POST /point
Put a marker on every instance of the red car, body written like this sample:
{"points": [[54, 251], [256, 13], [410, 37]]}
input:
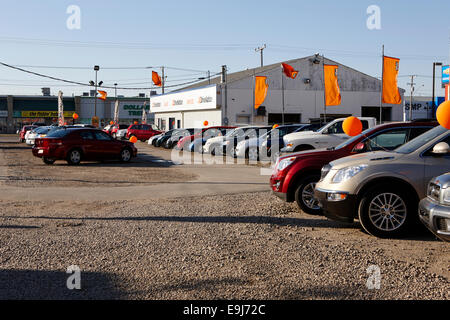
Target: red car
{"points": [[116, 128], [198, 134], [24, 130], [295, 175], [78, 144], [142, 132]]}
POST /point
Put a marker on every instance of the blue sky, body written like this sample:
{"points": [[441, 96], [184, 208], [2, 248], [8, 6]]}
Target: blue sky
{"points": [[203, 35]]}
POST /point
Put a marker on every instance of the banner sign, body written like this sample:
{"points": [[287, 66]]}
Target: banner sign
{"points": [[60, 109], [45, 114], [445, 75]]}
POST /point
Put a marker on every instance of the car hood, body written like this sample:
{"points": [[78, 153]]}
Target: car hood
{"points": [[216, 139], [377, 157], [300, 135]]}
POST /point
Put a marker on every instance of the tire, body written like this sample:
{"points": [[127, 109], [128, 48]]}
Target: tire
{"points": [[213, 150], [252, 154], [74, 157], [387, 212], [48, 161], [125, 155], [304, 195]]}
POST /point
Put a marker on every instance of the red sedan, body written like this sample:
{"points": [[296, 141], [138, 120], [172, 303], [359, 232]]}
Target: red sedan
{"points": [[295, 175], [24, 130], [78, 144], [142, 132]]}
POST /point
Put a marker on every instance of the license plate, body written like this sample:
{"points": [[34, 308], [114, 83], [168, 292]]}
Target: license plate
{"points": [[40, 151]]}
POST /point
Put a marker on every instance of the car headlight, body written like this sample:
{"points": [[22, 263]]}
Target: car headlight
{"points": [[284, 163], [446, 196], [347, 173]]}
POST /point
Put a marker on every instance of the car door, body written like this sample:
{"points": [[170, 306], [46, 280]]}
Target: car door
{"points": [[108, 148], [89, 145], [435, 165]]}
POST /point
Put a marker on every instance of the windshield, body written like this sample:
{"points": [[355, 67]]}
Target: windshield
{"points": [[58, 133], [353, 139], [421, 140]]}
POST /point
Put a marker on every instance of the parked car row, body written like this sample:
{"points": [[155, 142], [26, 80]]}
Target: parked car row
{"points": [[142, 132], [377, 177]]}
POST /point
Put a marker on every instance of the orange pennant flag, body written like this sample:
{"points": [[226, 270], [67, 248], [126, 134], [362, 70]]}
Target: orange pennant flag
{"points": [[289, 71], [390, 93], [103, 95], [260, 90], [156, 79], [332, 91]]}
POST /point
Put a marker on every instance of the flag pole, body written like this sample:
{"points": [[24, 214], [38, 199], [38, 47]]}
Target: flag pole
{"points": [[253, 98], [282, 96], [382, 76], [324, 94]]}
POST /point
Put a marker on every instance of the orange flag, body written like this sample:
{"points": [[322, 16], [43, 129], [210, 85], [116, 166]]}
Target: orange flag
{"points": [[289, 71], [390, 94], [103, 95], [260, 90], [332, 91], [156, 79]]}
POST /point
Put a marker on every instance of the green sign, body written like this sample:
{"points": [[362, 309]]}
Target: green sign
{"points": [[135, 110]]}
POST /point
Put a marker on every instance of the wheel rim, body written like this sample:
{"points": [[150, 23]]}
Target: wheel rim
{"points": [[387, 211], [308, 196], [253, 154], [126, 155], [75, 156]]}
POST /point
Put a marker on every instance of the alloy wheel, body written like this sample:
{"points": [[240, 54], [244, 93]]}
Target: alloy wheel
{"points": [[387, 211]]}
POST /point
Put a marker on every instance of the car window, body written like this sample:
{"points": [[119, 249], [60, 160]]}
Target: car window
{"points": [[389, 140], [421, 140], [365, 124], [58, 133], [146, 127], [100, 135], [335, 128], [415, 132], [86, 135]]}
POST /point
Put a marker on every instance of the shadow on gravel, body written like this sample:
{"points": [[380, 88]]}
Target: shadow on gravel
{"points": [[36, 284], [15, 148], [298, 222], [18, 227], [326, 292], [203, 285]]}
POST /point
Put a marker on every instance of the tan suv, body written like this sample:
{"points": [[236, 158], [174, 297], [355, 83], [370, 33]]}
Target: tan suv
{"points": [[383, 189]]}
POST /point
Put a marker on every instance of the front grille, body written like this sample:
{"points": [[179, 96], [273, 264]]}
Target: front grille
{"points": [[433, 191], [325, 169], [441, 224]]}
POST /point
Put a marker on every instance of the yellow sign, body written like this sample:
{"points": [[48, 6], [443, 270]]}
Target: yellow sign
{"points": [[45, 114]]}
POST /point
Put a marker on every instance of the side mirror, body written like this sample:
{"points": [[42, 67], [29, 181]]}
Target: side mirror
{"points": [[360, 147], [441, 148]]}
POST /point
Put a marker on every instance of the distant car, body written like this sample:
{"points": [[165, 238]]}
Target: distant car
{"points": [[295, 175], [108, 129], [79, 144], [142, 132], [382, 189], [115, 129], [197, 144], [24, 131], [38, 132], [153, 139], [177, 136], [184, 142], [164, 137], [255, 148], [434, 210]]}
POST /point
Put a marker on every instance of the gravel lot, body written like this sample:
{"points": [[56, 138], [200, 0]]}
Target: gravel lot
{"points": [[224, 246]]}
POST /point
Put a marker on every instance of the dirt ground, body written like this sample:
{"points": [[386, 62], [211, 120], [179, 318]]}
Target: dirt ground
{"points": [[229, 245]]}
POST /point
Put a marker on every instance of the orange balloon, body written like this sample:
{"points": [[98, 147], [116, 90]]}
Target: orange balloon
{"points": [[275, 126], [111, 122], [75, 116], [443, 114], [205, 123], [133, 139], [135, 122], [352, 126]]}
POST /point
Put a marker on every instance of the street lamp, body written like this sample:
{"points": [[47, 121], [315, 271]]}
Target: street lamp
{"points": [[96, 68], [434, 76], [115, 90]]}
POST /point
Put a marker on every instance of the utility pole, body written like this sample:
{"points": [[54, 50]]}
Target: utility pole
{"points": [[223, 80], [209, 77], [96, 68], [410, 96], [162, 79], [261, 49]]}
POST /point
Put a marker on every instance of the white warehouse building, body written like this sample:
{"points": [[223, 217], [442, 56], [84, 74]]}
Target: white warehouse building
{"points": [[230, 102]]}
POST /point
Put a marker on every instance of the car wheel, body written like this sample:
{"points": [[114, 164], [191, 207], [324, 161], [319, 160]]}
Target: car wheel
{"points": [[387, 212], [74, 157], [252, 154], [48, 161], [304, 195], [125, 155]]}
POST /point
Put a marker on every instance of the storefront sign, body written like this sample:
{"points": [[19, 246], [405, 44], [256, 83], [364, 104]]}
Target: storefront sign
{"points": [[44, 114], [195, 99], [134, 110]]}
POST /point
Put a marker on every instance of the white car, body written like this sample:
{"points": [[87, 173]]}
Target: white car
{"points": [[38, 132], [154, 137], [328, 136], [121, 134]]}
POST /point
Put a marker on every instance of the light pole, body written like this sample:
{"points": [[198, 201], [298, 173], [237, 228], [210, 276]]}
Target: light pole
{"points": [[96, 68], [434, 77], [115, 90]]}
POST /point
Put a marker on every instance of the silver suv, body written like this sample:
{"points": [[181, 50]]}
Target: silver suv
{"points": [[383, 189], [434, 210]]}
